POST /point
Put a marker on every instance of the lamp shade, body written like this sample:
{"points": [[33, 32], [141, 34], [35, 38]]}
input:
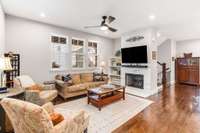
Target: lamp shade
{"points": [[5, 64], [102, 64]]}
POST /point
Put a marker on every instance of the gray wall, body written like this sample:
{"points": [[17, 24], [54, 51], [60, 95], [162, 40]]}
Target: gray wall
{"points": [[117, 45], [31, 40], [188, 46], [2, 30], [164, 52]]}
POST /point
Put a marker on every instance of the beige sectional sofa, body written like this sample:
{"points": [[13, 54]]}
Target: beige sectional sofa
{"points": [[79, 84]]}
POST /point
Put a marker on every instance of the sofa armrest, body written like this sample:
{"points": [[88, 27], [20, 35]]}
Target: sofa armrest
{"points": [[48, 86], [66, 126], [62, 84], [48, 107], [105, 78], [82, 120]]}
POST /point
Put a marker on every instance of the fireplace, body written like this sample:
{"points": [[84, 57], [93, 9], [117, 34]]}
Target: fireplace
{"points": [[134, 80]]}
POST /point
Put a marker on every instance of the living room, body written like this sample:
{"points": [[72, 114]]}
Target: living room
{"points": [[70, 67]]}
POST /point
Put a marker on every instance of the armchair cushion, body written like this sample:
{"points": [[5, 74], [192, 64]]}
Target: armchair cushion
{"points": [[48, 95]]}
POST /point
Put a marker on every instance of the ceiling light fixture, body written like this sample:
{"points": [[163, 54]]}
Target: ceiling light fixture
{"points": [[152, 17], [104, 28], [158, 34], [42, 15]]}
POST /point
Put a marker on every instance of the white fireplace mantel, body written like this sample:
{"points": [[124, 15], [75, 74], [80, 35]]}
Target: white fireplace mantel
{"points": [[149, 73]]}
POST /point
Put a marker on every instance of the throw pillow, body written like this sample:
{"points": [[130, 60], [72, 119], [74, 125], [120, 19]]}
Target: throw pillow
{"points": [[97, 77], [56, 118], [66, 78], [35, 87]]}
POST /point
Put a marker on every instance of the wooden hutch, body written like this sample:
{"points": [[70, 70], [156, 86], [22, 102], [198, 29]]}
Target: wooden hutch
{"points": [[187, 70]]}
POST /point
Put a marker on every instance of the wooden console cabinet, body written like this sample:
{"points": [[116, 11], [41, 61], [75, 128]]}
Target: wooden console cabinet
{"points": [[187, 70]]}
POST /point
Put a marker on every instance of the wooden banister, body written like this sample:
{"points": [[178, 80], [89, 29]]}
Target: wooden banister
{"points": [[164, 73]]}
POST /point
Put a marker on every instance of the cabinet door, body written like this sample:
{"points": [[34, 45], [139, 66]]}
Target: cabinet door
{"points": [[194, 76], [183, 75]]}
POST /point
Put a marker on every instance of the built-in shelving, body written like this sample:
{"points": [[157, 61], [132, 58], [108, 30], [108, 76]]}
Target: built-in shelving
{"points": [[115, 70]]}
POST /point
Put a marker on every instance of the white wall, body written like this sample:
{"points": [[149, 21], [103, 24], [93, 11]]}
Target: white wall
{"points": [[117, 45], [150, 73], [31, 40], [188, 46], [166, 51], [2, 31]]}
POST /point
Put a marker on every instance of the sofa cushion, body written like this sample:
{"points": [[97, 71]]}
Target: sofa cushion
{"points": [[93, 84], [76, 78], [86, 77], [78, 87]]}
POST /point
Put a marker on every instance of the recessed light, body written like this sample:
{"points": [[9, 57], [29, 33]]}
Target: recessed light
{"points": [[42, 15], [158, 34], [152, 17]]}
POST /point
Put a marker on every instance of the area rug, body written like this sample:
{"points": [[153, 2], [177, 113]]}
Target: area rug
{"points": [[111, 116]]}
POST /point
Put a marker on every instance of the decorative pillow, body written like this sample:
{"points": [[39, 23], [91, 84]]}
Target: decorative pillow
{"points": [[76, 78], [97, 77], [66, 78], [86, 77], [56, 118], [35, 87]]}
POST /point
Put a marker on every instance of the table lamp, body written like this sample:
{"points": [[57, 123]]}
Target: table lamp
{"points": [[102, 65], [5, 65]]}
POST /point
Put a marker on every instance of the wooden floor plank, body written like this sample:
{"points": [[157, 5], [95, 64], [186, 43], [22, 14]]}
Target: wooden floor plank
{"points": [[173, 111]]}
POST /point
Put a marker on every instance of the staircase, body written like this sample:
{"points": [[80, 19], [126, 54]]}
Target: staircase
{"points": [[164, 75]]}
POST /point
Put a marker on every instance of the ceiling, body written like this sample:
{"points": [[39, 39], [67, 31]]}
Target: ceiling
{"points": [[176, 19]]}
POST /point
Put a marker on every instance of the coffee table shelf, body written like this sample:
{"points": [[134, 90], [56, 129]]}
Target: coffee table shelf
{"points": [[100, 97]]}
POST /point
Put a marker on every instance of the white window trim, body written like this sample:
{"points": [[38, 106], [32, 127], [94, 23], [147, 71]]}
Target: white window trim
{"points": [[67, 43], [96, 54], [84, 51]]}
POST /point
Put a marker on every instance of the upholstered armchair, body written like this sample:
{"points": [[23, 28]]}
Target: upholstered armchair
{"points": [[47, 94], [30, 118]]}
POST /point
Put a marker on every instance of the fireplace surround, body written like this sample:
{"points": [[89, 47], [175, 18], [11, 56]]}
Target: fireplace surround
{"points": [[134, 80]]}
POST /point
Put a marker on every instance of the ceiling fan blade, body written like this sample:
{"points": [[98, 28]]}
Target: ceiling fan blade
{"points": [[86, 27], [112, 29], [111, 19]]}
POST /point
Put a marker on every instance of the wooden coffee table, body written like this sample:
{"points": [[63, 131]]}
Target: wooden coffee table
{"points": [[105, 94]]}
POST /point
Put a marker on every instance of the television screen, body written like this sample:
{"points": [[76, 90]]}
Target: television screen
{"points": [[134, 54]]}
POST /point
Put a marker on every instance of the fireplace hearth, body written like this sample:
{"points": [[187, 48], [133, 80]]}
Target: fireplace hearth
{"points": [[134, 80]]}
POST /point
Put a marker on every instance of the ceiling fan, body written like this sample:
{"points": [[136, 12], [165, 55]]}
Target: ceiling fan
{"points": [[107, 20]]}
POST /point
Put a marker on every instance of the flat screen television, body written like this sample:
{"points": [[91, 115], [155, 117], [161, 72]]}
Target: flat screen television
{"points": [[134, 55]]}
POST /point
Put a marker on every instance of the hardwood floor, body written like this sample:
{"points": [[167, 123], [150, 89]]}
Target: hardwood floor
{"points": [[173, 111]]}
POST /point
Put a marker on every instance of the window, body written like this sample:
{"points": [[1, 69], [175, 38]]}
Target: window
{"points": [[92, 54], [59, 48], [77, 53]]}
